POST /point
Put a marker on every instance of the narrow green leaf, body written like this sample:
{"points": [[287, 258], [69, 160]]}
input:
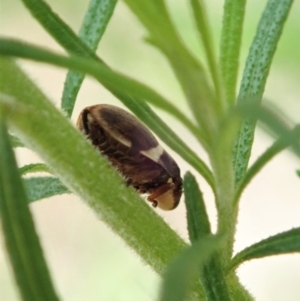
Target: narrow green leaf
{"points": [[211, 276], [204, 31], [95, 21], [282, 243], [38, 188], [148, 11], [298, 172], [26, 255], [255, 75], [197, 218], [94, 24], [184, 269], [63, 33], [231, 37], [35, 167], [116, 82], [283, 142], [15, 141], [273, 123]]}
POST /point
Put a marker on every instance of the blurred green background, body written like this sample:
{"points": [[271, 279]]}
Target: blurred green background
{"points": [[87, 261]]}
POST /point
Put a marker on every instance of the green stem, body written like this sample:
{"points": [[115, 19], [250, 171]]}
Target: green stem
{"points": [[221, 161]]}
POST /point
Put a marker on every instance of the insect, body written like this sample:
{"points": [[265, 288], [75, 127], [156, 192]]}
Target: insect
{"points": [[134, 151]]}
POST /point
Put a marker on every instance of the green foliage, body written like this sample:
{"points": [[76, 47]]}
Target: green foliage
{"points": [[36, 167], [183, 270], [15, 141], [211, 274], [197, 218], [222, 124], [282, 243], [255, 75], [26, 255], [91, 31], [232, 29], [38, 188]]}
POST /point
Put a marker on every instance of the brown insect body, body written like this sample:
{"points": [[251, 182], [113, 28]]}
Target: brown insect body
{"points": [[135, 152]]}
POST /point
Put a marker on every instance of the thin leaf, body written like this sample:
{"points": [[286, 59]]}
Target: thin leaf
{"points": [[211, 275], [231, 37], [95, 21], [204, 31], [63, 33], [15, 141], [35, 167], [279, 145], [255, 75], [274, 124], [162, 29], [38, 188], [94, 24], [282, 243], [298, 172], [183, 270], [197, 218], [116, 82], [26, 255]]}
